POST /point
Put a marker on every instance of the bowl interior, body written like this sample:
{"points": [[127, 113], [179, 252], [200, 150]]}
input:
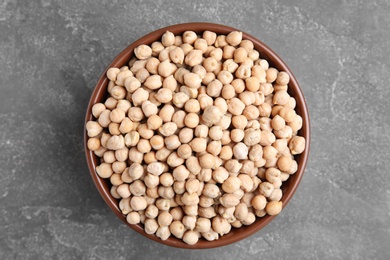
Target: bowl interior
{"points": [[100, 93]]}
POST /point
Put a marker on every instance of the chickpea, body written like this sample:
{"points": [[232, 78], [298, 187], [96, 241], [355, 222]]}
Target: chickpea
{"points": [[190, 237], [191, 120], [93, 144], [112, 73], [233, 166], [281, 97], [220, 225], [266, 188], [235, 106], [190, 199], [177, 213], [276, 195], [240, 151], [184, 151], [191, 210], [180, 173], [138, 203], [286, 132], [192, 80], [251, 112], [296, 124], [94, 128], [214, 88], [283, 78], [179, 187], [246, 182], [164, 218], [143, 52], [174, 160], [177, 229], [172, 142], [252, 137], [228, 91], [209, 211], [256, 153], [271, 74], [267, 138], [186, 135], [234, 38], [163, 204], [205, 101], [281, 146], [207, 161], [231, 184], [121, 77], [168, 39], [297, 145], [229, 200], [163, 232], [273, 207], [243, 71], [193, 58], [133, 218], [240, 54], [168, 129], [210, 236], [251, 218], [224, 122], [150, 226], [192, 185]]}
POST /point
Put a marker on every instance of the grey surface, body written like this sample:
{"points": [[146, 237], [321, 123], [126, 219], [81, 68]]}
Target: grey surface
{"points": [[51, 55]]}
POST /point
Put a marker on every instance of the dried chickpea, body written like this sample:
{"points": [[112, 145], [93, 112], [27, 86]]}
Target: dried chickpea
{"points": [[281, 97], [112, 73], [235, 106], [234, 38], [297, 145], [166, 113], [211, 115], [251, 112], [150, 226], [191, 120], [243, 72], [240, 151], [250, 219], [220, 174], [214, 148], [220, 225], [177, 229], [207, 161], [273, 207], [93, 144], [143, 52], [240, 54], [193, 58], [296, 124], [231, 184], [266, 188], [168, 39], [190, 237], [172, 142], [133, 218]]}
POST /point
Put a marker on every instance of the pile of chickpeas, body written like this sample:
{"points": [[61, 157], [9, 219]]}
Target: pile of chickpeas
{"points": [[197, 135]]}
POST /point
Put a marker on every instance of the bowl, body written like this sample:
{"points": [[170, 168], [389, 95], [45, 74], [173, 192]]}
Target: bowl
{"points": [[289, 187]]}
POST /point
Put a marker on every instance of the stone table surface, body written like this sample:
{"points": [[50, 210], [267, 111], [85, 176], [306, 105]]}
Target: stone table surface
{"points": [[51, 55]]}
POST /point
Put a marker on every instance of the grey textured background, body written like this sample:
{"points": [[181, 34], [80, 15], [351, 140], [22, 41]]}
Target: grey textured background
{"points": [[51, 55]]}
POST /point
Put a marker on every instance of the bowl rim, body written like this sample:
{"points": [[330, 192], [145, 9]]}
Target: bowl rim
{"points": [[265, 52]]}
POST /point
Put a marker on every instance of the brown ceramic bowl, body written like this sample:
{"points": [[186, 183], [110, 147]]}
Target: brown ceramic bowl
{"points": [[100, 93]]}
